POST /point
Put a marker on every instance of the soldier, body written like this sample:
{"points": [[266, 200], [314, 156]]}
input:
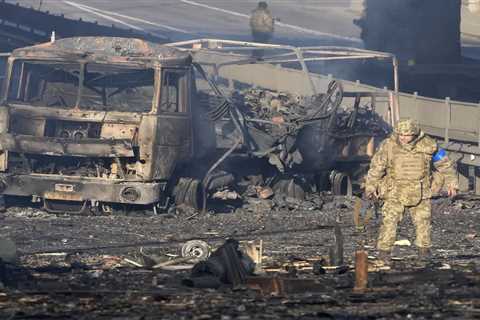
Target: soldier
{"points": [[261, 24], [401, 173]]}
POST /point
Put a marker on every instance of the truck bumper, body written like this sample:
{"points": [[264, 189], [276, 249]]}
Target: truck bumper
{"points": [[83, 189]]}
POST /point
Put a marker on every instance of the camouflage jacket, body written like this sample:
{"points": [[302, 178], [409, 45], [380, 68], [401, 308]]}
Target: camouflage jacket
{"points": [[261, 21], [405, 172]]}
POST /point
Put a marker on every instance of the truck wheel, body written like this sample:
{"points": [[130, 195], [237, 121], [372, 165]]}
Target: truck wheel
{"points": [[197, 249], [293, 188], [188, 192], [341, 183]]}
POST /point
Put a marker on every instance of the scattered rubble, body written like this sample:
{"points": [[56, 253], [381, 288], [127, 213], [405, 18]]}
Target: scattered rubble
{"points": [[92, 272]]}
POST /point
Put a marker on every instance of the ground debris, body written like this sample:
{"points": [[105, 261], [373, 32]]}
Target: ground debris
{"points": [[103, 284], [228, 264]]}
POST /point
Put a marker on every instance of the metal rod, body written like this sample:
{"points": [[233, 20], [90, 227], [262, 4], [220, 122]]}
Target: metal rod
{"points": [[448, 116], [305, 70], [318, 59], [348, 52], [243, 43], [331, 49], [395, 74], [361, 271], [396, 86]]}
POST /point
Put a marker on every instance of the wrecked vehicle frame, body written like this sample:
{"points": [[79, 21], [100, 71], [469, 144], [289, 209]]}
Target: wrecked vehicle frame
{"points": [[101, 121], [78, 116], [308, 138]]}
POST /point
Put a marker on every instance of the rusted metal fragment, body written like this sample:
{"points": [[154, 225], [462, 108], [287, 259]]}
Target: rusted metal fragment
{"points": [[279, 286], [66, 147], [361, 270]]}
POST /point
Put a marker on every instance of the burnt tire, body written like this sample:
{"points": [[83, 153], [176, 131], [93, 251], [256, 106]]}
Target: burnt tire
{"points": [[294, 188], [341, 184], [197, 249], [188, 192]]}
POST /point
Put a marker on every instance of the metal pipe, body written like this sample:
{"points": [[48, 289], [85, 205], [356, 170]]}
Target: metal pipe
{"points": [[233, 42], [273, 46], [396, 87], [321, 50], [298, 51], [317, 59]]}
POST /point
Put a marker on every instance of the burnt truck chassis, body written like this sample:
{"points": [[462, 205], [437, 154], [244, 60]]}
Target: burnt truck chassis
{"points": [[95, 121]]}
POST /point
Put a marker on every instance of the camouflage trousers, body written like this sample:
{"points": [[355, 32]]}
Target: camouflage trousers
{"points": [[392, 213]]}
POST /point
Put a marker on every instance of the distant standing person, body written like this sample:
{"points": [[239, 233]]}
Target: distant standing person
{"points": [[262, 25]]}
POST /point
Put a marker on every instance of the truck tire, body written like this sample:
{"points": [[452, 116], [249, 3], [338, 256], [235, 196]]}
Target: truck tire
{"points": [[293, 187], [341, 183], [188, 192]]}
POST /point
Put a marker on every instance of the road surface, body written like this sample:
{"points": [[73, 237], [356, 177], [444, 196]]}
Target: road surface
{"points": [[299, 22]]}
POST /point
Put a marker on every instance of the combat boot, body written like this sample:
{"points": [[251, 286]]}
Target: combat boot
{"points": [[424, 254], [385, 257]]}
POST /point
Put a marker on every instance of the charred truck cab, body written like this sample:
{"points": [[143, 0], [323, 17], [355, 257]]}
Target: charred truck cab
{"points": [[94, 120]]}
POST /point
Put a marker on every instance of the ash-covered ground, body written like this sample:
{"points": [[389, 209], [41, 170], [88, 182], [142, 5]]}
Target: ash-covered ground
{"points": [[75, 267]]}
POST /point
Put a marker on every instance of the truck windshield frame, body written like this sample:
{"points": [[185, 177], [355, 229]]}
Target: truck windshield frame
{"points": [[85, 86], [174, 89]]}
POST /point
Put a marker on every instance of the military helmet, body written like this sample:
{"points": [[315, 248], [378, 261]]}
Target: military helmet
{"points": [[262, 5], [407, 127]]}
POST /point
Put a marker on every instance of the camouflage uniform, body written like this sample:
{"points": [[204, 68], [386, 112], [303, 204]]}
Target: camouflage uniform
{"points": [[261, 23], [401, 174]]}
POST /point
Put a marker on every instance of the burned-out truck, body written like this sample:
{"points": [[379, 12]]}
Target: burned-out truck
{"points": [[96, 121], [99, 119]]}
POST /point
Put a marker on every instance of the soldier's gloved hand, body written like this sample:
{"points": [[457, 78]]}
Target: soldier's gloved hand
{"points": [[371, 193], [452, 191]]}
